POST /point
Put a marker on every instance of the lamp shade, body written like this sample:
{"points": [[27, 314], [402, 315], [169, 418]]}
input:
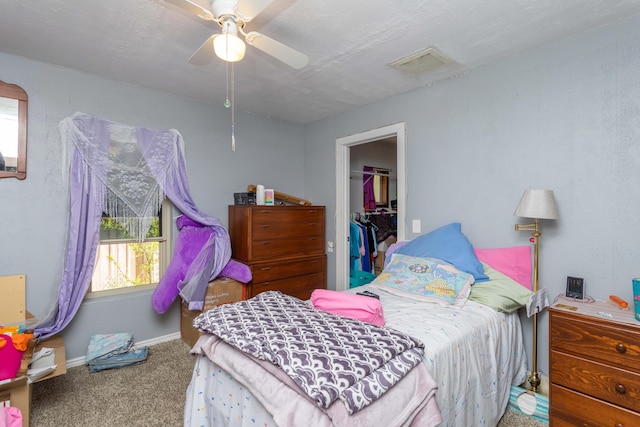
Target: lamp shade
{"points": [[539, 204]]}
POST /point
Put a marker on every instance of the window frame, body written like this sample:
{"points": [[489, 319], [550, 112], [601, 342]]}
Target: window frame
{"points": [[164, 255]]}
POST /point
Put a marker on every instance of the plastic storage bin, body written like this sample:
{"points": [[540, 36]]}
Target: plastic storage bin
{"points": [[359, 278]]}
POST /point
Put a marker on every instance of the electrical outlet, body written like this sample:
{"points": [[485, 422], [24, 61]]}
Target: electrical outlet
{"points": [[415, 226]]}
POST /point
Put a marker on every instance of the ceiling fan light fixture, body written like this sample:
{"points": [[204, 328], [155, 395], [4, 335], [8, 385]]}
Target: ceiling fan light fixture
{"points": [[229, 47]]}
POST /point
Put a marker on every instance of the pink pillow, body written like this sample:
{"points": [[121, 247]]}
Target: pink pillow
{"points": [[514, 262]]}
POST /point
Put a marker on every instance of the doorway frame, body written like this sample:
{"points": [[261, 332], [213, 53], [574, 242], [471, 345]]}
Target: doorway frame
{"points": [[343, 164]]}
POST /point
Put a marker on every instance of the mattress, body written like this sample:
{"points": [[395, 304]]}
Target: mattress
{"points": [[474, 354]]}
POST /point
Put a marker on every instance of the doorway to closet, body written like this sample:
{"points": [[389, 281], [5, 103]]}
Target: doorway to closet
{"points": [[343, 189]]}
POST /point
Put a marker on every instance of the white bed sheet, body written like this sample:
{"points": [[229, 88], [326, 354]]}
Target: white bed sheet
{"points": [[475, 354]]}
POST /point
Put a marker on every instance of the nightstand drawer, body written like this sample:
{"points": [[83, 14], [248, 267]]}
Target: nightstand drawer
{"points": [[572, 408], [608, 383], [607, 341]]}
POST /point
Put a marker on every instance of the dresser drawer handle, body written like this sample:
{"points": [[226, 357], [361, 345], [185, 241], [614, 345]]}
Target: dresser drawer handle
{"points": [[621, 389], [265, 268], [621, 348], [619, 425]]}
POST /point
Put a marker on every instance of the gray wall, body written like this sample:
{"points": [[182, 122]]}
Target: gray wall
{"points": [[564, 117], [33, 214]]}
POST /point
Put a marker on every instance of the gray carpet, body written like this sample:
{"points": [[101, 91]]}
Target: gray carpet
{"points": [[149, 394]]}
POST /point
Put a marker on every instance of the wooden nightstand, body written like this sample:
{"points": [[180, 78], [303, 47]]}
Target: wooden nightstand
{"points": [[594, 363]]}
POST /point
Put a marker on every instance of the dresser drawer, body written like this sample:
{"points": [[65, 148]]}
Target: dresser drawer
{"points": [[608, 383], [279, 248], [289, 215], [573, 408], [299, 286], [276, 230], [259, 233], [595, 338], [281, 269]]}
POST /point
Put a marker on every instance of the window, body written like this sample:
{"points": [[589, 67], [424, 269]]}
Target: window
{"points": [[123, 264]]}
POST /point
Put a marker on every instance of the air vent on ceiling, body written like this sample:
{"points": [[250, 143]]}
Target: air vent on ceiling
{"points": [[422, 62]]}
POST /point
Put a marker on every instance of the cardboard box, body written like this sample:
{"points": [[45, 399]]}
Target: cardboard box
{"points": [[13, 302], [222, 290], [379, 262], [17, 392]]}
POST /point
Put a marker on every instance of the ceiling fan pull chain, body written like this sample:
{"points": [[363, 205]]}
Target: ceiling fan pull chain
{"points": [[227, 103], [233, 110]]}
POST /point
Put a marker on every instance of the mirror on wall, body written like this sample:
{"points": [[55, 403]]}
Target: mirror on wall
{"points": [[381, 187], [13, 131]]}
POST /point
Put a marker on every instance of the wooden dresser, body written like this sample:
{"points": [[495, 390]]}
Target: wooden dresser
{"points": [[282, 245], [594, 364]]}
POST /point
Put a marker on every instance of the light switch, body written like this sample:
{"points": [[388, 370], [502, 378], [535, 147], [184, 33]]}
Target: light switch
{"points": [[415, 226]]}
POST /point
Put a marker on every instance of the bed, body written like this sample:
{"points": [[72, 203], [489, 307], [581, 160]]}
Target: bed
{"points": [[473, 354]]}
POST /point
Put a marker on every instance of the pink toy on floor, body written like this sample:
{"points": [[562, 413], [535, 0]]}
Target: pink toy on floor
{"points": [[191, 238], [10, 416]]}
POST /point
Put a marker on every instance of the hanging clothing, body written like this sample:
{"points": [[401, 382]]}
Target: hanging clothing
{"points": [[363, 245], [368, 188], [355, 243]]}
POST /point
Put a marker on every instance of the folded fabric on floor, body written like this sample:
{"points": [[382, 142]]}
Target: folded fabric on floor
{"points": [[108, 351]]}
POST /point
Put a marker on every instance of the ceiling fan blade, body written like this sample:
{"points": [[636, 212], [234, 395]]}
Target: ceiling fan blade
{"points": [[205, 52], [249, 9], [195, 8], [289, 56]]}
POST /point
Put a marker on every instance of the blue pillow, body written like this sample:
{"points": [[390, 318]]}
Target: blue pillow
{"points": [[448, 244]]}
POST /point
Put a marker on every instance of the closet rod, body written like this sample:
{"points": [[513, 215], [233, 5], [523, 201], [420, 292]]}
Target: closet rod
{"points": [[386, 212]]}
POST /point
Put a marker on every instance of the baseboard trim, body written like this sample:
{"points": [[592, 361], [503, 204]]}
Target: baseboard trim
{"points": [[79, 361]]}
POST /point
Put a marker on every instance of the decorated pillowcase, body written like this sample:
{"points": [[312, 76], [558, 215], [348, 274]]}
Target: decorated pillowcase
{"points": [[425, 279], [500, 293], [449, 244]]}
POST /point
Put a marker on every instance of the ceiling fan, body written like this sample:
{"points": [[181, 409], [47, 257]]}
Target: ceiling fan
{"points": [[232, 16]]}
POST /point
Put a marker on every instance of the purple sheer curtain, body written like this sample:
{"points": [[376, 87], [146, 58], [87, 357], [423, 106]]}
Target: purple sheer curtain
{"points": [[84, 234], [88, 139], [367, 188]]}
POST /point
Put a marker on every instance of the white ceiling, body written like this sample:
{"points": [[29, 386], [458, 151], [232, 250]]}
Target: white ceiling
{"points": [[349, 43]]}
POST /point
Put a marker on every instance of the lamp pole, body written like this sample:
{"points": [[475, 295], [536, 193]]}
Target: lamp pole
{"points": [[534, 377]]}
